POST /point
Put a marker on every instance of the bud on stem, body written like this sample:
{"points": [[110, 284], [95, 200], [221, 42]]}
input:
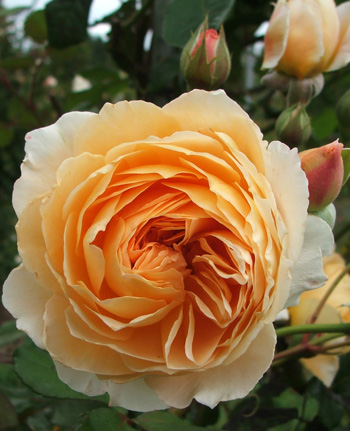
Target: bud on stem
{"points": [[205, 61], [325, 172], [293, 126]]}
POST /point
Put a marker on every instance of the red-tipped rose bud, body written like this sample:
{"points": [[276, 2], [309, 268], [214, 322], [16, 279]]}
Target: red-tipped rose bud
{"points": [[205, 61], [325, 171]]}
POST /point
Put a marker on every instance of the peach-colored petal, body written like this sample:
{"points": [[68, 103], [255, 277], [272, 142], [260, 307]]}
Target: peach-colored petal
{"points": [[302, 19], [199, 110], [62, 345], [276, 36], [220, 383], [123, 122], [26, 299]]}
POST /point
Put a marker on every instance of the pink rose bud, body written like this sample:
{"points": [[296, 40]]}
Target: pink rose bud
{"points": [[324, 170], [205, 61]]}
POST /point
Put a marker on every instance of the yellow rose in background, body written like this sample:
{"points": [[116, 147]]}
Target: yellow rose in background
{"points": [[308, 37], [158, 246], [336, 310]]}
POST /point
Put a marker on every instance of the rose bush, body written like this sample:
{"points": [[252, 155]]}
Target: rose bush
{"points": [[308, 37], [335, 310], [158, 246]]}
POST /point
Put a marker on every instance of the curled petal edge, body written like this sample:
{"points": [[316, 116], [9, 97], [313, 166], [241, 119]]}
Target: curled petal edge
{"points": [[307, 273]]}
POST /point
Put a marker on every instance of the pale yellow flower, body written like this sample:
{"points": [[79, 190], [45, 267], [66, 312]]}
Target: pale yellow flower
{"points": [[336, 310]]}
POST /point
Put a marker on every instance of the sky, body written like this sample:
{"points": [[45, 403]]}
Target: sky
{"points": [[98, 10]]}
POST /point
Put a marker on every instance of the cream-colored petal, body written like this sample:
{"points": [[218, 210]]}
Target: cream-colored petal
{"points": [[277, 35], [46, 149], [324, 367], [220, 383], [31, 245], [341, 55], [290, 188], [135, 395], [81, 381], [25, 299], [304, 47], [307, 272], [201, 110]]}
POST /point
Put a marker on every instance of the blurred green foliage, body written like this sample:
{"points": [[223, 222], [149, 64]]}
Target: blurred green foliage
{"points": [[49, 65]]}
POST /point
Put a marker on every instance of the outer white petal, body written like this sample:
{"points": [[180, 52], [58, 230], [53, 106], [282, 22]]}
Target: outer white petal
{"points": [[221, 383], [290, 187], [307, 273], [135, 395], [46, 148], [25, 299], [81, 381]]}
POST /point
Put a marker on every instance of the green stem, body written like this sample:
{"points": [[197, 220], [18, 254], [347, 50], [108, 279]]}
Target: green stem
{"points": [[314, 346], [314, 328]]}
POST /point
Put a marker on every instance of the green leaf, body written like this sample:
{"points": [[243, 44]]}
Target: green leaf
{"points": [[164, 420], [346, 160], [67, 413], [324, 124], [67, 22], [37, 370], [6, 135], [183, 17], [106, 419], [35, 26], [8, 331], [12, 63], [8, 415], [21, 115]]}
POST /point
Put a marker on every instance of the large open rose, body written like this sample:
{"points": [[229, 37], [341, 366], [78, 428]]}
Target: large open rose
{"points": [[158, 246]]}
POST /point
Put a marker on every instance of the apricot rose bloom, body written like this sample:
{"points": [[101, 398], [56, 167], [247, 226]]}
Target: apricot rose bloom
{"points": [[308, 37], [158, 246], [336, 310]]}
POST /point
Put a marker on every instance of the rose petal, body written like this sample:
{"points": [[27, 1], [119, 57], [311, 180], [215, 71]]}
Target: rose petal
{"points": [[221, 383], [341, 55], [46, 149], [304, 17], [26, 299], [307, 273], [276, 36], [201, 110]]}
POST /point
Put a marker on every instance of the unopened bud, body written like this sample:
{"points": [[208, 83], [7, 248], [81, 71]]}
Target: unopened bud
{"points": [[324, 170], [205, 61], [293, 126]]}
